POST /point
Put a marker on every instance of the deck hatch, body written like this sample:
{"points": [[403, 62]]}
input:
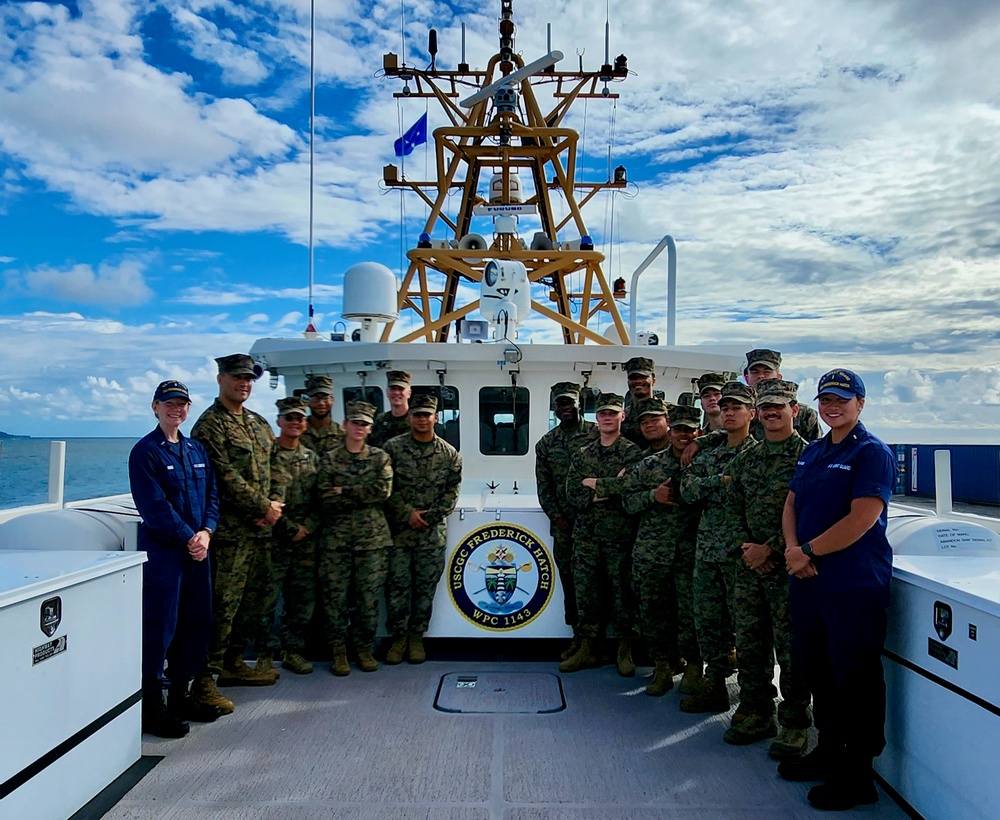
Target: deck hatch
{"points": [[500, 693]]}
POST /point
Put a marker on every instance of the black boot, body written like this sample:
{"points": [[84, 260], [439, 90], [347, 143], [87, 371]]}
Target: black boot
{"points": [[851, 785], [156, 720], [182, 706]]}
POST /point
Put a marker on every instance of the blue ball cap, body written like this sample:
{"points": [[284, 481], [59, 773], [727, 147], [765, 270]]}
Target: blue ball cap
{"points": [[171, 389], [844, 383]]}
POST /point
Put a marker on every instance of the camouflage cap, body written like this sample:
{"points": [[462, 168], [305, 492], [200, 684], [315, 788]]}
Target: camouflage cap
{"points": [[171, 389], [768, 358], [398, 378], [319, 385], [777, 391], [360, 411], [639, 366], [239, 364], [423, 404], [292, 404], [651, 406], [568, 389], [738, 391], [685, 415], [710, 381], [609, 401]]}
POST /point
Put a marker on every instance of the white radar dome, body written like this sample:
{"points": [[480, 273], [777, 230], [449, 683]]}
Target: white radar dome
{"points": [[369, 293]]}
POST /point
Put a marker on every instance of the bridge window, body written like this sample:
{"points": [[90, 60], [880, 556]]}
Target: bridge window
{"points": [[503, 421]]}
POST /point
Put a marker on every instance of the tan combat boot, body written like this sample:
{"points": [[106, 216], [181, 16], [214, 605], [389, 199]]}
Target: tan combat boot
{"points": [[397, 651], [692, 679], [662, 680], [340, 667], [417, 652], [366, 663], [572, 649], [585, 658], [712, 696], [265, 665], [237, 673], [624, 662], [203, 691], [294, 662]]}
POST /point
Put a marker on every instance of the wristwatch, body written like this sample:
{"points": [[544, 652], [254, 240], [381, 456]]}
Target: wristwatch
{"points": [[206, 529], [807, 548]]}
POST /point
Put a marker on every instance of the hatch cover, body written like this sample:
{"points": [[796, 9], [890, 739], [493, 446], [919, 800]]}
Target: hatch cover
{"points": [[500, 693]]}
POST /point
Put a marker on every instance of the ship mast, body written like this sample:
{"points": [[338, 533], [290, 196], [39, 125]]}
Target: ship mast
{"points": [[507, 134]]}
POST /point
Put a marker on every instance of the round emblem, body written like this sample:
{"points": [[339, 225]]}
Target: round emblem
{"points": [[500, 577]]}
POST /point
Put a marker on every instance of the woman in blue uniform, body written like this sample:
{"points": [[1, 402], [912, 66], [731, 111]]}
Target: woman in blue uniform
{"points": [[174, 491], [838, 554]]}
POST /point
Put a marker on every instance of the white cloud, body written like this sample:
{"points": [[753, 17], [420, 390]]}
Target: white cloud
{"points": [[108, 285], [908, 386]]}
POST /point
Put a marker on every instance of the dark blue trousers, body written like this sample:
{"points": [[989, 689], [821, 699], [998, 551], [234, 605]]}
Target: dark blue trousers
{"points": [[838, 641], [176, 616]]}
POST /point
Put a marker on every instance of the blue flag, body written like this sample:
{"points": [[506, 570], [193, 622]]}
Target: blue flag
{"points": [[414, 136]]}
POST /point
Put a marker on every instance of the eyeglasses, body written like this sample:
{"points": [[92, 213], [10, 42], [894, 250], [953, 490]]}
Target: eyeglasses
{"points": [[294, 417]]}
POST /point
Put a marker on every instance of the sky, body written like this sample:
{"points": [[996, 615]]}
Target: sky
{"points": [[829, 169]]}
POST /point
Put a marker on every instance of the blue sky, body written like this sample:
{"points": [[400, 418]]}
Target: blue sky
{"points": [[830, 170]]}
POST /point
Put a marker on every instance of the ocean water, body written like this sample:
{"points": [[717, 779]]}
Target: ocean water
{"points": [[94, 467]]}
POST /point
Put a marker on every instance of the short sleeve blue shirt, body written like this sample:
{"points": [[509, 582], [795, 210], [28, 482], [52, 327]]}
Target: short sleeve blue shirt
{"points": [[827, 479]]}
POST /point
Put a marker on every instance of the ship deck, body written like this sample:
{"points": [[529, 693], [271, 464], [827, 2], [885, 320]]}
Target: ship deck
{"points": [[374, 746]]}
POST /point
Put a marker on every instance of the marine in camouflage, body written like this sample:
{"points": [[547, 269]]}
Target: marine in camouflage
{"points": [[760, 477], [293, 477], [427, 476], [354, 541], [387, 427], [239, 446], [552, 459], [603, 536]]}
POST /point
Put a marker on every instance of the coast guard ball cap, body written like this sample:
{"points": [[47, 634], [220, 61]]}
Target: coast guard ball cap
{"points": [[292, 404], [685, 415], [609, 401], [360, 411], [319, 385], [566, 390], [737, 391], [710, 381], [844, 383], [239, 364], [639, 366], [651, 407], [769, 358], [777, 391], [171, 389], [398, 378], [423, 404]]}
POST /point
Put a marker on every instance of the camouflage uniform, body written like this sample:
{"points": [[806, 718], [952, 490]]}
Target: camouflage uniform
{"points": [[760, 477], [663, 556], [427, 476], [386, 427], [716, 553], [355, 540], [322, 439], [240, 449], [293, 478], [552, 458], [603, 536], [630, 426]]}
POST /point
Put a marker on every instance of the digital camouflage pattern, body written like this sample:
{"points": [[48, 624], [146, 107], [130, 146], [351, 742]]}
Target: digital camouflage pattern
{"points": [[603, 536], [552, 459], [239, 446], [321, 439], [630, 426], [427, 476], [387, 426], [716, 553], [760, 477], [293, 477], [662, 563], [354, 540]]}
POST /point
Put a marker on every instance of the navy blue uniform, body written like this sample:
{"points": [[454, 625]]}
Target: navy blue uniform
{"points": [[174, 491], [839, 615]]}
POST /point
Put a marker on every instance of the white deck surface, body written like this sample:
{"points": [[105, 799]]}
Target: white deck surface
{"points": [[372, 746]]}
